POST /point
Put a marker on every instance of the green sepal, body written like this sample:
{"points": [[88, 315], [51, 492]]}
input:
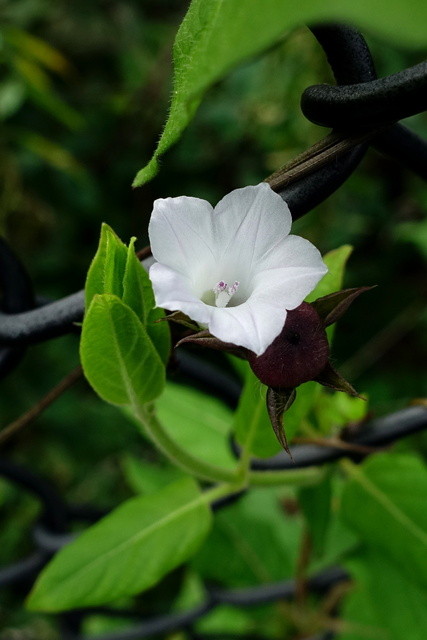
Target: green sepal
{"points": [[180, 318], [205, 339]]}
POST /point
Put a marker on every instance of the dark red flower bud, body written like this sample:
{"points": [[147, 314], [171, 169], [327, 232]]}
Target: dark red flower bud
{"points": [[298, 354]]}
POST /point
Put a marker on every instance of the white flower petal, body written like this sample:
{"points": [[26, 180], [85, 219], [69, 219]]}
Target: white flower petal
{"points": [[299, 268], [181, 233], [244, 243], [173, 291], [252, 324], [292, 251], [250, 221]]}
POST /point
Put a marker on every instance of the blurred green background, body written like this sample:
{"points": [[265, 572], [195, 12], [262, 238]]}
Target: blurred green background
{"points": [[84, 93]]}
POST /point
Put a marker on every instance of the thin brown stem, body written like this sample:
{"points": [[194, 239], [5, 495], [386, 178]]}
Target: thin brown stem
{"points": [[338, 444], [319, 155], [17, 425], [144, 253]]}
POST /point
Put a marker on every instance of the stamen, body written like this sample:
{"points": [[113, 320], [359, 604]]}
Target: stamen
{"points": [[233, 288], [224, 293]]}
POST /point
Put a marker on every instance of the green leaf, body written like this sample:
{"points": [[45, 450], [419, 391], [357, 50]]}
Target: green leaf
{"points": [[336, 261], [145, 477], [336, 410], [251, 414], [137, 290], [358, 610], [315, 503], [198, 422], [116, 269], [383, 599], [384, 503], [252, 541], [215, 36], [35, 48], [126, 552], [118, 358], [159, 333], [236, 622], [107, 269], [51, 152], [138, 295], [12, 96]]}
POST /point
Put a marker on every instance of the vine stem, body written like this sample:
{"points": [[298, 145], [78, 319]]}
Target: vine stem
{"points": [[235, 479], [245, 458], [179, 456], [319, 155]]}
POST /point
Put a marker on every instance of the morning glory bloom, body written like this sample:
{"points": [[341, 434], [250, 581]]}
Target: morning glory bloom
{"points": [[233, 269]]}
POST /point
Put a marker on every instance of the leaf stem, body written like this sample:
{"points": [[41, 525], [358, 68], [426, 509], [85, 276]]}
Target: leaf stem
{"points": [[235, 479], [243, 467], [179, 456]]}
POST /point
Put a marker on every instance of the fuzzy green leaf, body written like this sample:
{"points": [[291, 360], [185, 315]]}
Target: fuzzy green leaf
{"points": [[106, 271], [118, 357], [137, 289], [198, 422], [383, 603], [126, 552], [336, 261], [116, 270], [384, 503], [217, 35], [138, 295], [315, 503]]}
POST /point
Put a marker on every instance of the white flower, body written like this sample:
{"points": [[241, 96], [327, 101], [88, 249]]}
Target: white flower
{"points": [[234, 268]]}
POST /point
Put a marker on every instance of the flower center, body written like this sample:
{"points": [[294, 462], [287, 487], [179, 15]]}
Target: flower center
{"points": [[224, 293]]}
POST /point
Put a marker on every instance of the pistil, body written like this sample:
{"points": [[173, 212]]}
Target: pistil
{"points": [[224, 293]]}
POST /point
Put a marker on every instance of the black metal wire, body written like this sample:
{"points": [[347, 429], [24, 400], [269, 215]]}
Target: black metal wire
{"points": [[44, 323], [350, 61], [245, 597], [377, 433], [360, 99], [368, 104]]}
